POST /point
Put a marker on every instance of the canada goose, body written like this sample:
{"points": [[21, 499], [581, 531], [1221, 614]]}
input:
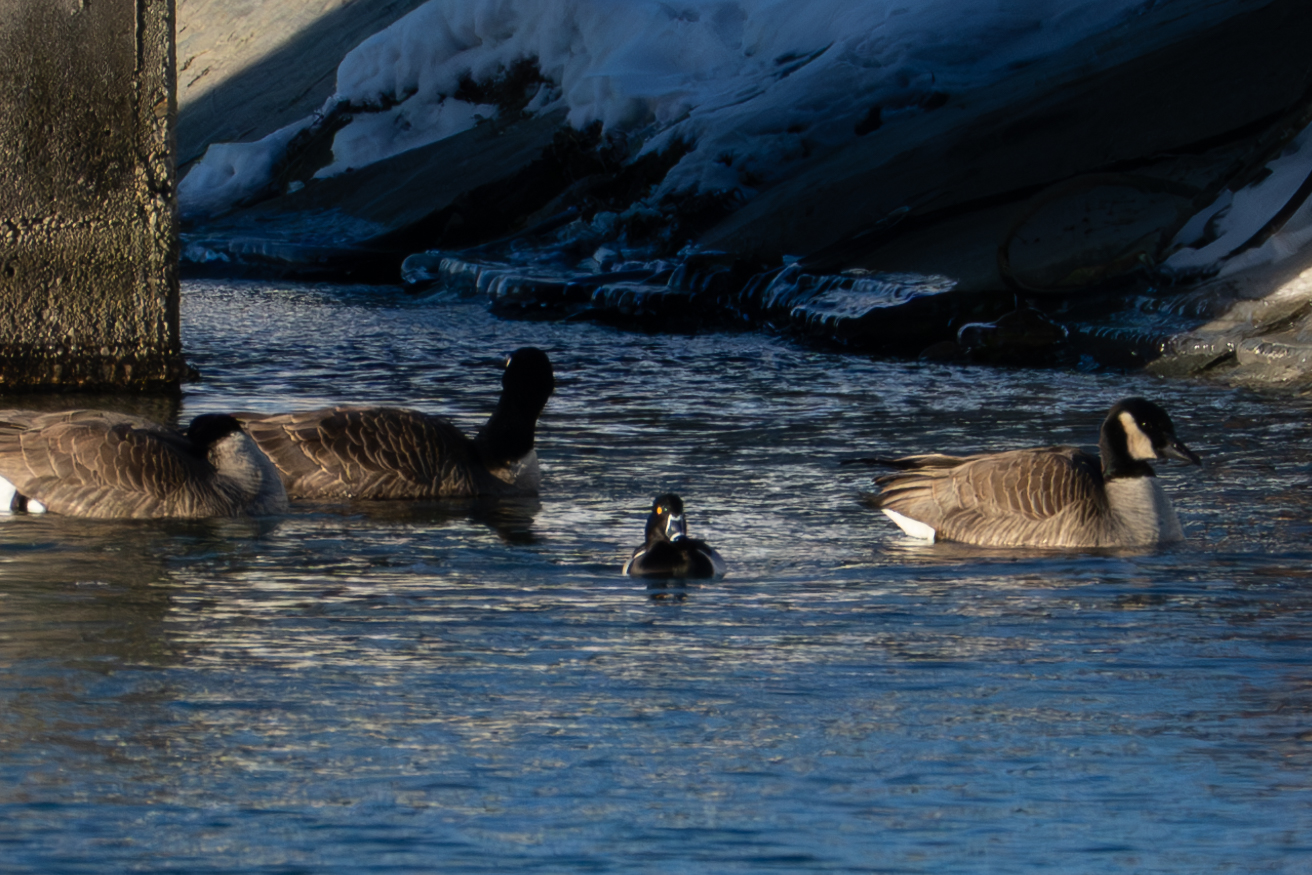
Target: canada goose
{"points": [[668, 551], [1049, 496], [94, 463], [394, 453]]}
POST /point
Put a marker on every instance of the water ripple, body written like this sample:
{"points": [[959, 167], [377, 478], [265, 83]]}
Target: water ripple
{"points": [[461, 688]]}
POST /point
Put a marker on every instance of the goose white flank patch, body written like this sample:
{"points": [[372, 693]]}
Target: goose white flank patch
{"points": [[104, 465], [394, 453], [668, 550], [1046, 496]]}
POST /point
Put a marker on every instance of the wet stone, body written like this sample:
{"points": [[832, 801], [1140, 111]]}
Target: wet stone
{"points": [[547, 296], [900, 313]]}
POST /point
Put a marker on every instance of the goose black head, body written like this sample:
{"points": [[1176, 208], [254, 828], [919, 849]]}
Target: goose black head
{"points": [[526, 384], [1135, 433], [529, 378], [210, 428], [666, 522]]}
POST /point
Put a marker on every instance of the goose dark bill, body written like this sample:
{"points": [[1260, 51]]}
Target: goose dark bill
{"points": [[1180, 452]]}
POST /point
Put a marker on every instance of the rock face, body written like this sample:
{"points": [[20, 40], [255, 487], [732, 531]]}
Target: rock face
{"points": [[362, 224], [1023, 222], [1047, 123], [88, 259], [246, 69]]}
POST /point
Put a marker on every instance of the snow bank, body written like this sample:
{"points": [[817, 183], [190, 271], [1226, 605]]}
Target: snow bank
{"points": [[757, 85]]}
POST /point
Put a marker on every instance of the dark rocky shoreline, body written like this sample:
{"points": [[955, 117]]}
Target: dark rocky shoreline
{"points": [[935, 235]]}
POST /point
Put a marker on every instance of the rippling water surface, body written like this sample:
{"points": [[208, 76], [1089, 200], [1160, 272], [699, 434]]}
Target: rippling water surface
{"points": [[443, 687]]}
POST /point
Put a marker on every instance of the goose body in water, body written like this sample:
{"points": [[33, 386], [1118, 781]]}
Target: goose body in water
{"points": [[1048, 496], [395, 453], [668, 551], [94, 463]]}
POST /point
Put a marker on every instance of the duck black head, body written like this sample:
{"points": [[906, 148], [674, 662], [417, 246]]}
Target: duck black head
{"points": [[1136, 432], [669, 551], [666, 522]]}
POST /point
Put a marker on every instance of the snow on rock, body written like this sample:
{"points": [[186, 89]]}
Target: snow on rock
{"points": [[756, 85], [233, 173], [372, 137], [1218, 233]]}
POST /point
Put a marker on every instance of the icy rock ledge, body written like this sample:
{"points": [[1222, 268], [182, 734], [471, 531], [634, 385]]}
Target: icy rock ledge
{"points": [[1262, 340]]}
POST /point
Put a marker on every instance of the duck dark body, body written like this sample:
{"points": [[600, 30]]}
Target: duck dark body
{"points": [[1046, 496], [668, 551], [396, 453], [106, 465]]}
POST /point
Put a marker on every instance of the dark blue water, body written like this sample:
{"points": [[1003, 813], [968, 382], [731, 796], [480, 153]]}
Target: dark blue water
{"points": [[454, 688]]}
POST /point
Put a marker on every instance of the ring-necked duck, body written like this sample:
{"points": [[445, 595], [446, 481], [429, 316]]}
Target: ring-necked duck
{"points": [[668, 551]]}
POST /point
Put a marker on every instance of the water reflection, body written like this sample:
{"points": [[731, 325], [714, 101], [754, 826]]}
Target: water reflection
{"points": [[373, 687], [511, 519], [163, 407]]}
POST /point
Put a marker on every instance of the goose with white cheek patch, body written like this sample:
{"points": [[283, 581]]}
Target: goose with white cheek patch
{"points": [[1049, 496], [395, 453], [103, 465], [669, 551]]}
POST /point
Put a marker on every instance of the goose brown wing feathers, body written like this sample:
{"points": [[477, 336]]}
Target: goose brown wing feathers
{"points": [[1051, 496], [105, 465], [373, 453]]}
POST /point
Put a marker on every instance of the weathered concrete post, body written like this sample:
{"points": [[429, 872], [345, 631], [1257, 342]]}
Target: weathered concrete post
{"points": [[88, 251]]}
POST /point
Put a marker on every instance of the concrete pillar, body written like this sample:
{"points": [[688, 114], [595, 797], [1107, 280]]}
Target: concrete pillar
{"points": [[88, 242]]}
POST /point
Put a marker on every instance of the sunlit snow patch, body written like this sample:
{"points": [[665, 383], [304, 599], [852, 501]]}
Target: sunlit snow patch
{"points": [[1224, 236]]}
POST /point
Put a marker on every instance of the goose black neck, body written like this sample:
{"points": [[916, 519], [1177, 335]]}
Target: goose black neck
{"points": [[526, 385], [508, 433]]}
